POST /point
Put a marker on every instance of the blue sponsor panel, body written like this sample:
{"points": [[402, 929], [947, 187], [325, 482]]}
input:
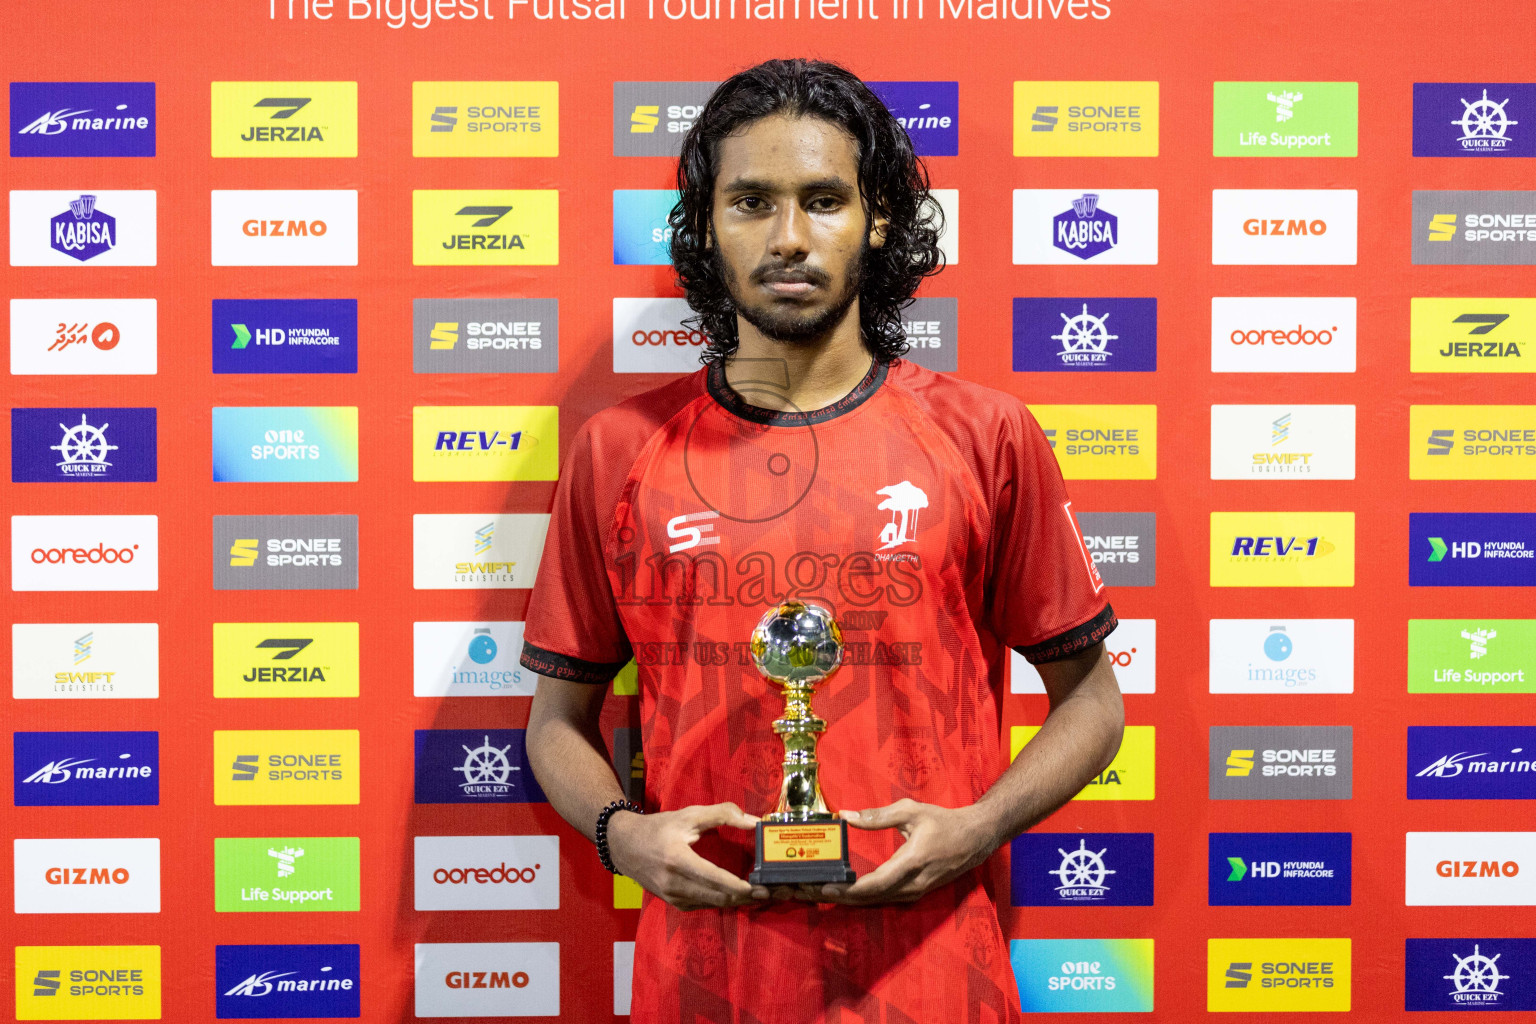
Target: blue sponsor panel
{"points": [[86, 769], [474, 766], [1084, 334], [641, 236], [284, 335], [929, 111], [1280, 869], [1077, 869], [282, 982], [1470, 974], [82, 119], [1463, 762], [1472, 549], [1474, 119], [71, 444]]}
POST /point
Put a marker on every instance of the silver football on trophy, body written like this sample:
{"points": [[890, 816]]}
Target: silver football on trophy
{"points": [[797, 642]]}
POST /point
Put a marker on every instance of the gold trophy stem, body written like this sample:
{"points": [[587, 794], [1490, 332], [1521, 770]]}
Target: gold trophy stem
{"points": [[800, 796]]}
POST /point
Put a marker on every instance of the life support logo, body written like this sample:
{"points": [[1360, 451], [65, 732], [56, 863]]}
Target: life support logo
{"points": [[285, 874], [256, 767], [487, 872]]}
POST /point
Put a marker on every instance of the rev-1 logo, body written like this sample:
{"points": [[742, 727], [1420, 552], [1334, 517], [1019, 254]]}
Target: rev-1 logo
{"points": [[476, 440]]}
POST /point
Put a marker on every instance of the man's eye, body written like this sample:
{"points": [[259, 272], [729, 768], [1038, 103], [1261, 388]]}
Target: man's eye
{"points": [[749, 202], [825, 203]]}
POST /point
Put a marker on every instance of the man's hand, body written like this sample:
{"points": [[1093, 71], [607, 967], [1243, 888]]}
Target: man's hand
{"points": [[942, 843], [656, 850]]}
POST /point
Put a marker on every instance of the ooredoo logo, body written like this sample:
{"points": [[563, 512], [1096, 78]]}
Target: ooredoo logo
{"points": [[85, 553], [1277, 227], [284, 228], [487, 872], [488, 979], [87, 876], [649, 336], [1283, 335]]}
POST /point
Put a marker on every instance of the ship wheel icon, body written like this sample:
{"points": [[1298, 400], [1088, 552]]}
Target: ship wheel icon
{"points": [[1484, 119], [1081, 868], [1084, 332], [1476, 973], [84, 444], [486, 764]]}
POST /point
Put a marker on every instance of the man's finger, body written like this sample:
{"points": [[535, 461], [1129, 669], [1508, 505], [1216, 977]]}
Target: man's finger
{"points": [[691, 866], [890, 816], [879, 884], [715, 815]]}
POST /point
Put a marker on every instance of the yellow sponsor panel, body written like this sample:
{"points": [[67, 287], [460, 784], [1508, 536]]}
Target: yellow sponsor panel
{"points": [[285, 659], [1130, 776], [277, 766], [87, 982], [284, 119], [1472, 442], [485, 227], [494, 119], [1472, 335], [627, 682], [627, 894], [485, 442], [1085, 119], [1270, 975], [1282, 549], [1102, 442]]}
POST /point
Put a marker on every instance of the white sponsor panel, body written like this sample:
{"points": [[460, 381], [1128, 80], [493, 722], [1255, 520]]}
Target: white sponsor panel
{"points": [[1132, 650], [487, 873], [87, 876], [477, 551], [85, 553], [1470, 869], [471, 659], [1282, 442], [949, 238], [1282, 335], [649, 337], [623, 977], [488, 979], [83, 336], [284, 228], [1283, 227], [83, 228], [85, 660], [1125, 216], [1282, 655]]}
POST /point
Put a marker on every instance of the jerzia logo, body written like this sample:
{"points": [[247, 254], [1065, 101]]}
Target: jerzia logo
{"points": [[485, 227], [284, 119]]}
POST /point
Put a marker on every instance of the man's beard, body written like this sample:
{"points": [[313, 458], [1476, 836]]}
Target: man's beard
{"points": [[792, 326]]}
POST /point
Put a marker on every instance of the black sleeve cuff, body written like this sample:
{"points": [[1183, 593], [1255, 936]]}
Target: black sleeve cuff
{"points": [[563, 666], [1064, 645]]}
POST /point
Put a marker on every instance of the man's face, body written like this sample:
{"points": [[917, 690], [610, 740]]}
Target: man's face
{"points": [[790, 235]]}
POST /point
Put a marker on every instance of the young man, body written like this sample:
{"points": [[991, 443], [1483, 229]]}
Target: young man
{"points": [[808, 460]]}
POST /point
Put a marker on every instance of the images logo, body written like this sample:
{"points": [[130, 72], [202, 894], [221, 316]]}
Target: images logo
{"points": [[285, 659], [1085, 118], [87, 876], [265, 982], [1283, 227], [284, 335], [95, 553], [285, 552], [470, 659], [1083, 975], [1454, 762], [1282, 549], [1102, 442], [117, 660], [1474, 228], [284, 228], [88, 982], [285, 444], [485, 227], [462, 766], [485, 442], [308, 766], [487, 873], [1066, 227], [54, 445], [485, 119], [305, 874], [1472, 549], [1470, 869], [1255, 975], [485, 335], [1471, 656], [82, 119], [1469, 974], [1280, 869], [1072, 869], [641, 235], [284, 119], [1304, 762], [1472, 442], [1284, 656], [1319, 118], [1465, 119], [929, 111], [86, 769], [477, 552], [488, 979], [1084, 334], [1282, 442], [1471, 335], [1130, 776]]}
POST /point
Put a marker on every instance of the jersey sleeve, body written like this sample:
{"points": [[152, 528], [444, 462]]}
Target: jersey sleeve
{"points": [[572, 629], [1047, 598]]}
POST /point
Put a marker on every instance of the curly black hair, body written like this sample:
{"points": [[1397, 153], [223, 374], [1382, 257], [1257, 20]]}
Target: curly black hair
{"points": [[893, 183]]}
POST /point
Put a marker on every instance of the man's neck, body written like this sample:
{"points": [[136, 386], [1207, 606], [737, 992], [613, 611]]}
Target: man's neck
{"points": [[803, 377]]}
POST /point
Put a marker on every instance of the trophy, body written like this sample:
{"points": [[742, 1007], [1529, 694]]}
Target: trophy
{"points": [[798, 645]]}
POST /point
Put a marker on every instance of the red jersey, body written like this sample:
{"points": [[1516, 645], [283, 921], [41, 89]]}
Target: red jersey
{"points": [[929, 515]]}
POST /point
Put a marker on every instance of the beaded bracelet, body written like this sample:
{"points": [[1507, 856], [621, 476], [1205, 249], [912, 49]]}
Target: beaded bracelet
{"points": [[600, 834]]}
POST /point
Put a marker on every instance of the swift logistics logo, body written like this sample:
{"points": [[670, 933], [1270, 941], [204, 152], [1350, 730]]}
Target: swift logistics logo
{"points": [[485, 119], [1277, 975], [487, 873], [1286, 119], [1474, 119], [306, 552], [70, 661], [293, 766], [1282, 655], [1483, 228], [1130, 776], [285, 659], [1280, 869], [1131, 649], [1470, 869], [284, 335], [1471, 656], [1282, 442], [82, 444], [474, 766], [1471, 335], [1472, 442], [284, 119], [284, 228], [1283, 227], [485, 227], [94, 553], [1102, 442], [1469, 974], [1282, 335], [87, 876], [1094, 119], [1065, 226], [651, 118], [487, 979], [1074, 869], [285, 444], [95, 337], [1281, 762], [1471, 549], [286, 874], [641, 234], [929, 111], [94, 228], [470, 659], [485, 442], [88, 982], [1463, 762], [485, 335], [275, 982], [86, 769], [1084, 334], [83, 119], [1282, 549], [1083, 975], [477, 551]]}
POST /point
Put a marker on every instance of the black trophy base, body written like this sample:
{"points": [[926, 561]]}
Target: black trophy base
{"points": [[802, 853]]}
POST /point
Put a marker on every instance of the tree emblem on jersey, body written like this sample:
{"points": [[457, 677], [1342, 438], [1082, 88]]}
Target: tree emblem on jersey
{"points": [[1082, 873], [1084, 338], [904, 501], [84, 448], [485, 769], [1483, 124], [1085, 231], [1476, 977]]}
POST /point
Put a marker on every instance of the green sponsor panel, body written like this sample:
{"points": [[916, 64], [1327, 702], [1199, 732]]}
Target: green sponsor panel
{"points": [[1286, 119], [286, 874], [1472, 655]]}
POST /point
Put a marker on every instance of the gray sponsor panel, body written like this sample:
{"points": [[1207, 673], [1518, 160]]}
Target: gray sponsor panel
{"points": [[929, 325], [285, 552], [1123, 546], [1483, 228], [651, 118], [485, 335], [1281, 762]]}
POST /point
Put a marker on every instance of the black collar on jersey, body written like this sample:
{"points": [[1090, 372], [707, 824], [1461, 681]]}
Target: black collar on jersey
{"points": [[862, 391]]}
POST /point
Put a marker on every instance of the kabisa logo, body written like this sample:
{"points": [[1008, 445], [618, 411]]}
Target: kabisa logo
{"points": [[285, 552], [1471, 335], [1083, 975], [641, 234], [929, 111], [1282, 442], [1467, 119], [1472, 549], [1130, 776], [1085, 231], [1472, 442], [88, 982], [285, 444], [1085, 334], [53, 445], [1280, 869], [457, 766], [266, 982], [1282, 549], [1250, 975], [1283, 227], [86, 769], [462, 659], [485, 442], [1471, 656], [1102, 442], [1286, 656], [87, 876], [285, 659], [485, 119], [486, 227], [488, 979], [284, 119], [284, 335], [74, 228], [1304, 762], [1474, 228], [1085, 118], [94, 337], [1061, 226], [82, 119], [485, 335], [1077, 869], [651, 118], [1286, 119], [298, 766], [305, 874], [487, 873], [1123, 546], [83, 232], [1470, 974], [1455, 762]]}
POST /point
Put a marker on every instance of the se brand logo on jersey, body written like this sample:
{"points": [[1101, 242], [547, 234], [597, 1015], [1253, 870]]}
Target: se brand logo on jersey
{"points": [[274, 982], [285, 874], [86, 769], [285, 444], [485, 335], [69, 661], [1456, 762], [1083, 975], [1085, 334], [284, 335], [1282, 442], [1085, 118], [1130, 776], [1277, 975], [1472, 442], [1474, 228], [469, 766], [285, 659], [1471, 656], [313, 766], [1283, 227], [1281, 762], [488, 979], [1282, 656], [1102, 442], [82, 119], [1064, 869], [929, 111], [486, 119], [1282, 549], [1470, 869], [96, 337], [485, 227], [88, 982], [75, 444], [1280, 869], [487, 873], [1062, 226], [284, 119], [284, 228], [285, 552], [93, 227], [87, 876], [1469, 974], [485, 442], [1286, 119], [1471, 549], [1474, 119]]}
